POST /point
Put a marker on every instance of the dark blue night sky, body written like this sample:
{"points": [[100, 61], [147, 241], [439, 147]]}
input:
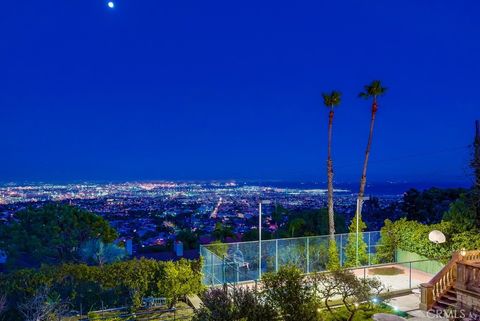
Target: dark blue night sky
{"points": [[231, 89]]}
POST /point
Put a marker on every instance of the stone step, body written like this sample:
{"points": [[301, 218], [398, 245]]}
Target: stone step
{"points": [[450, 296], [447, 301]]}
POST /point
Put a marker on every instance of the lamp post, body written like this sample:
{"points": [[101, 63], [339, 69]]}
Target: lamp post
{"points": [[260, 237], [359, 211]]}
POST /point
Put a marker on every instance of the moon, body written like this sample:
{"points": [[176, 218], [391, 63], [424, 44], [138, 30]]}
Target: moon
{"points": [[111, 5]]}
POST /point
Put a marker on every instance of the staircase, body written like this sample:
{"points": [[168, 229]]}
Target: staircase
{"points": [[446, 301], [441, 293]]}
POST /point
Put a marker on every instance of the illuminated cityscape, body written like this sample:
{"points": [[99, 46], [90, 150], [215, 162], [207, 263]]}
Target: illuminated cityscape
{"points": [[240, 161], [156, 212]]}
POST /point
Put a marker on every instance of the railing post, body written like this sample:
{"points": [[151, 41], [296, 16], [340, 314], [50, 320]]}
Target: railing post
{"points": [[212, 268], [426, 296], [308, 254], [276, 255], [369, 247], [224, 274], [341, 249], [238, 272], [461, 277], [410, 276]]}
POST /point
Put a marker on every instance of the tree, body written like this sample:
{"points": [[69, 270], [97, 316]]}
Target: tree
{"points": [[52, 234], [352, 249], [315, 223], [462, 213], [295, 225], [428, 206], [333, 258], [221, 232], [188, 238], [388, 243], [290, 294], [177, 281], [331, 100], [43, 307], [239, 304], [3, 303], [344, 285], [372, 91], [96, 252]]}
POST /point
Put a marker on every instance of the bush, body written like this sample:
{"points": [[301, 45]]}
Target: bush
{"points": [[52, 234], [290, 294], [412, 236], [238, 304], [117, 284], [462, 213], [351, 248], [333, 257]]}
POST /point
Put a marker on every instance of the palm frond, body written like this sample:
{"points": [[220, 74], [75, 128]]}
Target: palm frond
{"points": [[374, 89], [332, 99]]}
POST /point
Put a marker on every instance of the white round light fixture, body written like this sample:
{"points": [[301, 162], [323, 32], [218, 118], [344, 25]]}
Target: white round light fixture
{"points": [[436, 237], [111, 4]]}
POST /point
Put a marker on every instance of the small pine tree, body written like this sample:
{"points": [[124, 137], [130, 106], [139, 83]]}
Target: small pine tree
{"points": [[350, 250], [333, 258]]}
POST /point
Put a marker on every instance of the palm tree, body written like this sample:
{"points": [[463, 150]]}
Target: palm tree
{"points": [[331, 100], [373, 91], [357, 249]]}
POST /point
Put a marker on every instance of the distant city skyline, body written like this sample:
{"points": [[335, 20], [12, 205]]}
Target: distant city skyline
{"points": [[152, 90]]}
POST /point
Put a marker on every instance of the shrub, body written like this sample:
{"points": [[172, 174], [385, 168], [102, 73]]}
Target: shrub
{"points": [[290, 294], [412, 236], [333, 258], [237, 304], [351, 248], [462, 213], [343, 285], [113, 284]]}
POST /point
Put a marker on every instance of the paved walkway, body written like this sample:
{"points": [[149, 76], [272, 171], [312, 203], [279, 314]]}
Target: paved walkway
{"points": [[409, 303]]}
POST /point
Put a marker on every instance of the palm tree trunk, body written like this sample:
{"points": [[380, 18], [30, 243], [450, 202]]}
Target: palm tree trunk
{"points": [[363, 180], [331, 222]]}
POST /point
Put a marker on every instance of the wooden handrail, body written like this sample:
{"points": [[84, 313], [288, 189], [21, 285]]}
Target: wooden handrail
{"points": [[444, 280]]}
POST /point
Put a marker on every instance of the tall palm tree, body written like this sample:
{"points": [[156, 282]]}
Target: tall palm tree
{"points": [[372, 91], [331, 100]]}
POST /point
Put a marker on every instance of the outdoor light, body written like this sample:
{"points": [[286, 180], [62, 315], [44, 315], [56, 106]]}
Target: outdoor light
{"points": [[436, 237], [463, 252], [356, 304], [375, 300]]}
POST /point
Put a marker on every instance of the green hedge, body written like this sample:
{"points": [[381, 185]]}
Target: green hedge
{"points": [[112, 285], [412, 236]]}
